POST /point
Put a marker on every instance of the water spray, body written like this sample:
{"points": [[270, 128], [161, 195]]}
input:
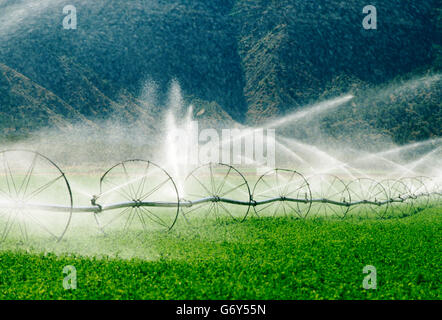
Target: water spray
{"points": [[35, 193]]}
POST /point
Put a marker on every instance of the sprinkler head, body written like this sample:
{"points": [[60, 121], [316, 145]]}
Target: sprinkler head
{"points": [[94, 200]]}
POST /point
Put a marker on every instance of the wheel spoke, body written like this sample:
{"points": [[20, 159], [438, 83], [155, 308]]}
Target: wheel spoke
{"points": [[6, 194], [265, 191], [129, 219], [212, 180], [292, 192], [276, 209], [131, 190], [332, 209], [119, 189], [42, 188], [23, 229], [195, 208], [150, 214], [262, 209], [207, 190], [212, 205], [277, 183], [141, 218], [283, 208], [28, 177], [220, 189], [227, 211], [297, 211], [7, 170], [9, 224], [119, 215], [286, 189], [233, 189], [143, 182], [155, 189], [29, 214]]}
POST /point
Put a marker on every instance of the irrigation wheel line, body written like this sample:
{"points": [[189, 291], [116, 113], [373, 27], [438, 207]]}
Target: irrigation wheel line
{"points": [[25, 177], [427, 181], [371, 193], [397, 189], [33, 188], [416, 187], [217, 190], [329, 187], [141, 185], [282, 192]]}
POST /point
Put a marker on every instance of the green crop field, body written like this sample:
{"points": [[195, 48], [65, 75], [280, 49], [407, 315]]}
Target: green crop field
{"points": [[262, 258]]}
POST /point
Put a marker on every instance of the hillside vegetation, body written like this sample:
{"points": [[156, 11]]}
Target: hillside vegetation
{"points": [[248, 59]]}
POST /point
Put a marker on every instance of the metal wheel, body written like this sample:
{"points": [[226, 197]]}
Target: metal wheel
{"points": [[215, 182], [29, 184], [430, 186], [398, 191], [365, 192], [329, 187], [137, 181], [285, 185], [437, 192], [418, 191]]}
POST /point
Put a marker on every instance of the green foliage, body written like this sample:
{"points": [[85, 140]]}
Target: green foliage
{"points": [[293, 50], [437, 47], [258, 259], [408, 109], [249, 60]]}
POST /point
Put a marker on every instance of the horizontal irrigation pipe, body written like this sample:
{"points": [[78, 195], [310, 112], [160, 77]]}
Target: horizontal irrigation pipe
{"points": [[17, 203], [187, 204]]}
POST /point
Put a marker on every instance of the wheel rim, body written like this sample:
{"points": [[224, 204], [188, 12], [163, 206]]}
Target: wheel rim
{"points": [[216, 181], [330, 187], [367, 189], [282, 184], [137, 181], [398, 191], [29, 181]]}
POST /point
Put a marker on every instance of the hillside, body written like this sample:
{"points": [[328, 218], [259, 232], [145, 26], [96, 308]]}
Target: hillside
{"points": [[244, 61], [293, 50], [19, 97]]}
